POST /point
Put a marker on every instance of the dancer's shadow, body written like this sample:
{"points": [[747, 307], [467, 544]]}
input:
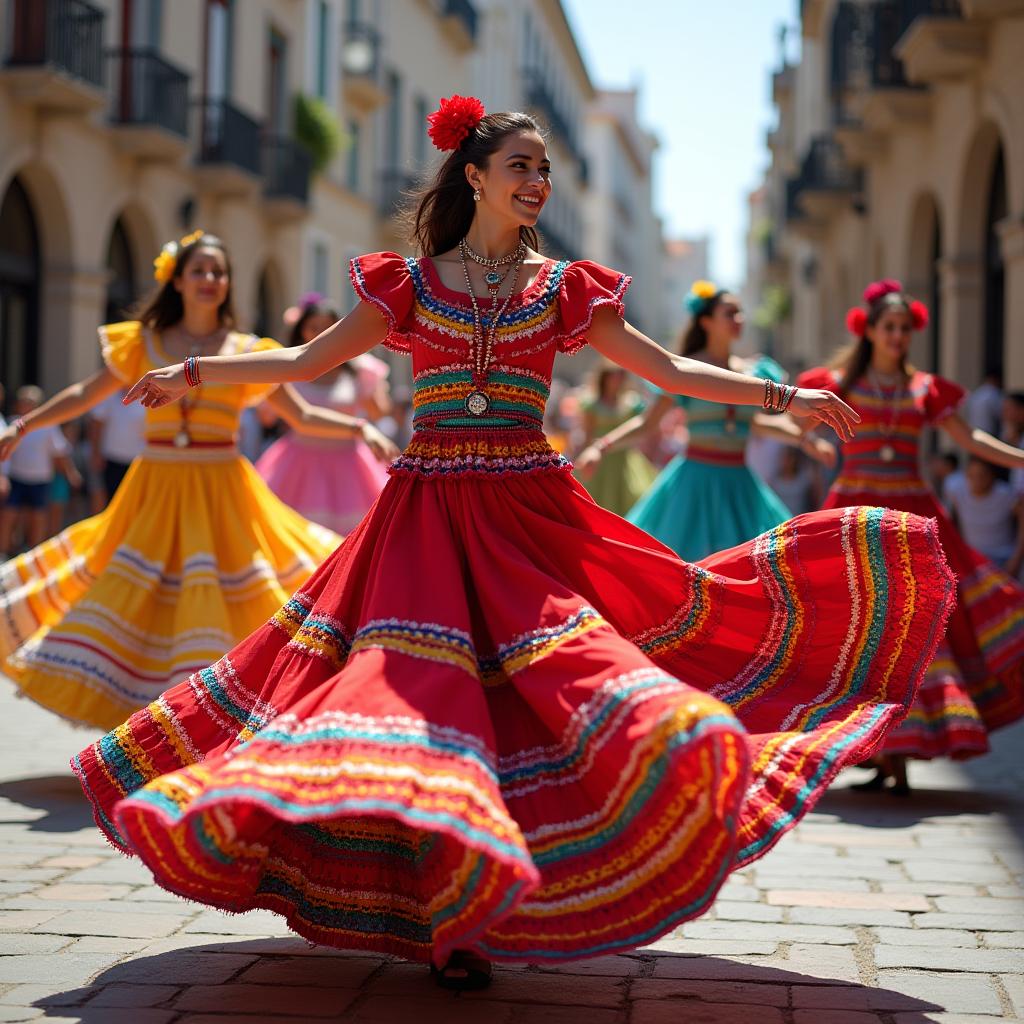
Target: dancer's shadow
{"points": [[273, 979], [59, 796]]}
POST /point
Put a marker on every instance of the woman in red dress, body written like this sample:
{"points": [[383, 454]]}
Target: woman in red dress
{"points": [[501, 723], [974, 683]]}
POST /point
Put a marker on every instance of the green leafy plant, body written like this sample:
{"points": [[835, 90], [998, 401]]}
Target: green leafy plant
{"points": [[317, 130], [775, 307]]}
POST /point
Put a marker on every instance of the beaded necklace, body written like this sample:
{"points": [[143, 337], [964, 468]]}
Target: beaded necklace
{"points": [[485, 330], [887, 452]]}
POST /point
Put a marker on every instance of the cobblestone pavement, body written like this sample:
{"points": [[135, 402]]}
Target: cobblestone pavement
{"points": [[874, 910]]}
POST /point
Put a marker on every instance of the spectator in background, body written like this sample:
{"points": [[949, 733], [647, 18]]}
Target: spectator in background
{"points": [[983, 407], [30, 470], [797, 482], [990, 516], [116, 440], [1013, 432], [945, 475]]}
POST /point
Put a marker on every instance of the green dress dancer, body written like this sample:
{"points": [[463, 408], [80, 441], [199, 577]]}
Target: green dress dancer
{"points": [[622, 476]]}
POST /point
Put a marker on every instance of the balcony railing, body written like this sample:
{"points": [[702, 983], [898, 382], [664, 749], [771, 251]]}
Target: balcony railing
{"points": [[394, 187], [286, 169], [63, 34], [824, 169], [465, 12], [539, 97], [148, 91], [227, 136], [892, 19]]}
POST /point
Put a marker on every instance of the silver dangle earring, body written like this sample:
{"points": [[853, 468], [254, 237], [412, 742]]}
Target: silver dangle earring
{"points": [[476, 194]]}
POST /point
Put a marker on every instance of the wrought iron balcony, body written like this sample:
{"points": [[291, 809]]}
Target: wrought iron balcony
{"points": [[287, 168], [825, 183], [462, 16], [227, 136], [394, 188], [539, 97], [56, 46], [148, 92]]}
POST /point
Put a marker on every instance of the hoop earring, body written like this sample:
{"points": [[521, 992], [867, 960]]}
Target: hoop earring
{"points": [[476, 195]]}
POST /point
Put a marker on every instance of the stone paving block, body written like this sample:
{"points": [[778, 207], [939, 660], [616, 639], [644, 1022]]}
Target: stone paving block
{"points": [[284, 945], [981, 905], [769, 932], [265, 999], [1004, 940], [710, 991], [813, 964], [852, 999], [833, 1017], [728, 911], [186, 911], [970, 960], [256, 922], [801, 880], [1004, 891], [31, 874], [931, 888], [739, 893], [68, 861], [118, 870], [532, 1013], [13, 943], [601, 966], [133, 995], [804, 965], [968, 922], [675, 943], [16, 888], [1014, 986], [69, 891], [853, 836], [96, 922], [390, 1008], [181, 968], [852, 917], [75, 968], [531, 987], [106, 944], [954, 992], [245, 1018], [114, 1015], [154, 894], [14, 1014], [944, 1018], [323, 972], [926, 937], [848, 900], [22, 920], [650, 1011], [949, 871]]}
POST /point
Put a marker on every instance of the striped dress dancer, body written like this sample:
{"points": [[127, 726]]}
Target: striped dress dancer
{"points": [[500, 718], [973, 685]]}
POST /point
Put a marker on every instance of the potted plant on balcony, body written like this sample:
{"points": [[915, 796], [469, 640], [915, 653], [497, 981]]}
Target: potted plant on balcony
{"points": [[317, 130]]}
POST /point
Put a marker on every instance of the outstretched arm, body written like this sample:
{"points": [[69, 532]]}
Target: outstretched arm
{"points": [[679, 375], [640, 425], [66, 405], [354, 334], [782, 428], [315, 421], [984, 445]]}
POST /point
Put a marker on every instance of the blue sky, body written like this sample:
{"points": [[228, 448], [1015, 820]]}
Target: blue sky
{"points": [[704, 75]]}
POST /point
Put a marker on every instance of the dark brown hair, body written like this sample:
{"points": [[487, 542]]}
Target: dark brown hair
{"points": [[164, 307], [308, 312], [442, 211], [695, 337], [855, 358]]}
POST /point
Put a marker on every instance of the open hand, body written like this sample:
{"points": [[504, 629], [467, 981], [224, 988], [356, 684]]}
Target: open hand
{"points": [[821, 451], [380, 444], [824, 407], [159, 387], [586, 463]]}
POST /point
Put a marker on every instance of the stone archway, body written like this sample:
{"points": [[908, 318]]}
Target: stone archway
{"points": [[20, 261], [924, 253], [270, 302]]}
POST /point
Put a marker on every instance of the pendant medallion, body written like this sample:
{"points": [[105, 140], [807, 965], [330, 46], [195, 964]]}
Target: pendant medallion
{"points": [[477, 403]]}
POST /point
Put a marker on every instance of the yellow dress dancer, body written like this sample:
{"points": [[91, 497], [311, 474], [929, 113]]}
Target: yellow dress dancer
{"points": [[193, 554]]}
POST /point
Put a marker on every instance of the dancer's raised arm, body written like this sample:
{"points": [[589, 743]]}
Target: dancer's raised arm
{"points": [[680, 375], [354, 334]]}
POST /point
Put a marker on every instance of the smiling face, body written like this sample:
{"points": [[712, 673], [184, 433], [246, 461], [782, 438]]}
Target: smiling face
{"points": [[890, 335], [516, 183], [205, 279]]}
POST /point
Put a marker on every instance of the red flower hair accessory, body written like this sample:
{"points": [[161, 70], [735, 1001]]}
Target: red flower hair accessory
{"points": [[878, 289], [856, 321], [453, 120], [918, 314]]}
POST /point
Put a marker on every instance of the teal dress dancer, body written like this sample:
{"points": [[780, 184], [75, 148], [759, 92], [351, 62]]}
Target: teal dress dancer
{"points": [[708, 500]]}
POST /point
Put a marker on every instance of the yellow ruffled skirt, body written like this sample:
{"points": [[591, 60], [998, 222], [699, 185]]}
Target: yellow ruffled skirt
{"points": [[191, 556]]}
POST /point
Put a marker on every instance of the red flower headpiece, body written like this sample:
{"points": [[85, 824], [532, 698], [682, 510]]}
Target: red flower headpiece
{"points": [[453, 120], [878, 289], [918, 315]]}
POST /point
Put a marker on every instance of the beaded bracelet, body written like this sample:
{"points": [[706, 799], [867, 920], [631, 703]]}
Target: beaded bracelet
{"points": [[790, 392], [192, 378]]}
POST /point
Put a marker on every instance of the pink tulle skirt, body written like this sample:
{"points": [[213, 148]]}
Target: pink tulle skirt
{"points": [[332, 483]]}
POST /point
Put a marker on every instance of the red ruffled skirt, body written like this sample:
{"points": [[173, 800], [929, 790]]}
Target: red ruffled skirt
{"points": [[975, 683], [501, 718]]}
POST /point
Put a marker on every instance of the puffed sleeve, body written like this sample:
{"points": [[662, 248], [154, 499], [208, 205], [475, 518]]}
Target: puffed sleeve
{"points": [[942, 398], [123, 349], [253, 394], [384, 280], [584, 287], [821, 378]]}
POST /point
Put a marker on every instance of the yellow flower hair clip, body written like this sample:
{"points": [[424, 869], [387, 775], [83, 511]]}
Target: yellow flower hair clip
{"points": [[700, 293], [164, 264]]}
